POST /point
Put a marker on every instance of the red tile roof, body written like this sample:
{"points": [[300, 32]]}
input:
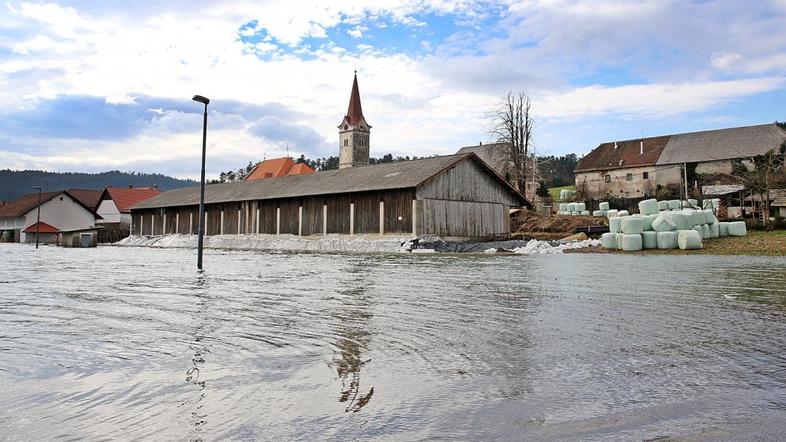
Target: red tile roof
{"points": [[277, 167], [44, 228], [127, 197], [625, 154]]}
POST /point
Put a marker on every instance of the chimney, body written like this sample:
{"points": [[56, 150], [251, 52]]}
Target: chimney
{"points": [[480, 143], [641, 148]]}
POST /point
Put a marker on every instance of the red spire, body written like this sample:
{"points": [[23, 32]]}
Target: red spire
{"points": [[355, 111]]}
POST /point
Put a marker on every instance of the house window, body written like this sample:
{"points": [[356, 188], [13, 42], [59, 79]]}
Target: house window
{"points": [[629, 177], [646, 175], [608, 178]]}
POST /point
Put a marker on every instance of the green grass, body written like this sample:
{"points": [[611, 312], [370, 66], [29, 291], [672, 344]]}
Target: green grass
{"points": [[554, 191]]}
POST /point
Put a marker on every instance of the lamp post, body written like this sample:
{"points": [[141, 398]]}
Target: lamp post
{"points": [[201, 231], [38, 220]]}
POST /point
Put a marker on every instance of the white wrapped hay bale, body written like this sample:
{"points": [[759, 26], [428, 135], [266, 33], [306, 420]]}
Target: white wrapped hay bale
{"points": [[563, 207], [674, 204], [689, 240], [737, 228], [681, 220], [663, 205], [697, 217], [649, 240], [580, 207], [663, 223], [612, 213], [632, 225], [709, 216], [615, 224], [608, 240], [699, 230], [575, 213], [667, 240], [705, 229], [648, 207], [603, 206], [723, 228], [571, 207], [648, 220], [585, 213], [631, 242], [714, 230], [598, 213], [623, 213]]}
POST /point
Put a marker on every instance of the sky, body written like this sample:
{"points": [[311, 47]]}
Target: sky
{"points": [[92, 86]]}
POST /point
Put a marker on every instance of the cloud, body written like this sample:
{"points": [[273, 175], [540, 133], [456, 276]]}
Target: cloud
{"points": [[296, 136]]}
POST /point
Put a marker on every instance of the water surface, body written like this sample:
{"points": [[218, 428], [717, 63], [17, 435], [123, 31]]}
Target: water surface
{"points": [[132, 343]]}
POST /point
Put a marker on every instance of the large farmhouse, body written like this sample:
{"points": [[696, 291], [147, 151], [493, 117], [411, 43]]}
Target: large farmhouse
{"points": [[450, 196], [637, 168]]}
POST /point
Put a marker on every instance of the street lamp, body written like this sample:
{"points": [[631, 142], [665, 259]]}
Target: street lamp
{"points": [[38, 221], [201, 231]]}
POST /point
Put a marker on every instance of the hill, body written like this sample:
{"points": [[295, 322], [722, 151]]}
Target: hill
{"points": [[18, 182]]}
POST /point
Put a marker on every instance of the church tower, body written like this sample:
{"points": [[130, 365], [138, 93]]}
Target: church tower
{"points": [[354, 133]]}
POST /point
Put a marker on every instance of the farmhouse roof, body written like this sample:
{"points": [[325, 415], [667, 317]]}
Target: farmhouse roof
{"points": [[43, 228], [623, 154], [85, 197], [277, 167], [125, 197], [386, 176], [722, 144]]}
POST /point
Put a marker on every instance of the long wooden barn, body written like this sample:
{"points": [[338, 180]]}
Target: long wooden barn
{"points": [[449, 196]]}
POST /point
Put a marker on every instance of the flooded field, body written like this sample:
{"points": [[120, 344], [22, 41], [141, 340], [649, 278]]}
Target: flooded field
{"points": [[133, 343]]}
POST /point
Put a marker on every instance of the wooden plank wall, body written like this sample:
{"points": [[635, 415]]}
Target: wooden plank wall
{"points": [[464, 219], [467, 181], [398, 215]]}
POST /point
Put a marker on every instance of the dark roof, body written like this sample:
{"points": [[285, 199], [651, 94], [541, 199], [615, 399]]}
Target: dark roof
{"points": [[386, 176], [722, 144], [86, 198], [496, 155], [125, 197], [626, 154]]}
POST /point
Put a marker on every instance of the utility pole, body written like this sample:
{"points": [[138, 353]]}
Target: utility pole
{"points": [[200, 241]]}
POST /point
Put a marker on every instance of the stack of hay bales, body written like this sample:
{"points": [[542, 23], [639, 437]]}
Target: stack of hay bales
{"points": [[664, 225], [566, 194], [577, 209]]}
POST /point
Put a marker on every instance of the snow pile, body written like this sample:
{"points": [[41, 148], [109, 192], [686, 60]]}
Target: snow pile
{"points": [[535, 247], [270, 242]]}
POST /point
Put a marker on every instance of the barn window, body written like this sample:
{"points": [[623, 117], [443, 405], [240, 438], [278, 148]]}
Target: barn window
{"points": [[608, 178], [345, 141], [629, 177], [646, 175]]}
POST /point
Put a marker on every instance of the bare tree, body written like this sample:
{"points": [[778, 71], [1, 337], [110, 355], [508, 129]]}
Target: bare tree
{"points": [[763, 173], [512, 123]]}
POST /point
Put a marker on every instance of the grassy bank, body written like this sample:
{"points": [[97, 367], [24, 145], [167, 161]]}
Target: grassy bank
{"points": [[757, 243], [554, 191]]}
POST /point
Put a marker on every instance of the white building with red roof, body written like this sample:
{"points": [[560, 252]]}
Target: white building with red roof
{"points": [[115, 203]]}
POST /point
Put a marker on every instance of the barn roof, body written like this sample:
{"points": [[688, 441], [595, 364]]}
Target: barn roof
{"points": [[626, 154], [722, 144], [496, 155], [386, 176]]}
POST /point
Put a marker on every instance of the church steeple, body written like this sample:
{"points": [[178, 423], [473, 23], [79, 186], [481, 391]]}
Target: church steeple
{"points": [[354, 132]]}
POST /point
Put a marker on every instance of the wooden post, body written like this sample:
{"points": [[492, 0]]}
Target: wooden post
{"points": [[278, 221], [257, 219], [381, 218], [163, 225], [177, 222], [190, 222], [300, 221], [239, 213], [221, 223], [324, 219], [414, 217], [351, 219], [153, 224]]}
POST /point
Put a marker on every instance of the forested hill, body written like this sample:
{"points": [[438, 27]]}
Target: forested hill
{"points": [[15, 183]]}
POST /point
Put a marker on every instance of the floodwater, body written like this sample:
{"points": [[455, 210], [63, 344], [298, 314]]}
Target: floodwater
{"points": [[133, 343]]}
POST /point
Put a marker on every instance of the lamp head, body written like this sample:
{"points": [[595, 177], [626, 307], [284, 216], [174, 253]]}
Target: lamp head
{"points": [[37, 188], [201, 99]]}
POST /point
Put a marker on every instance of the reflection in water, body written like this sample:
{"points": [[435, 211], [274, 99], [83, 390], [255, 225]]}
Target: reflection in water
{"points": [[353, 340], [198, 417]]}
